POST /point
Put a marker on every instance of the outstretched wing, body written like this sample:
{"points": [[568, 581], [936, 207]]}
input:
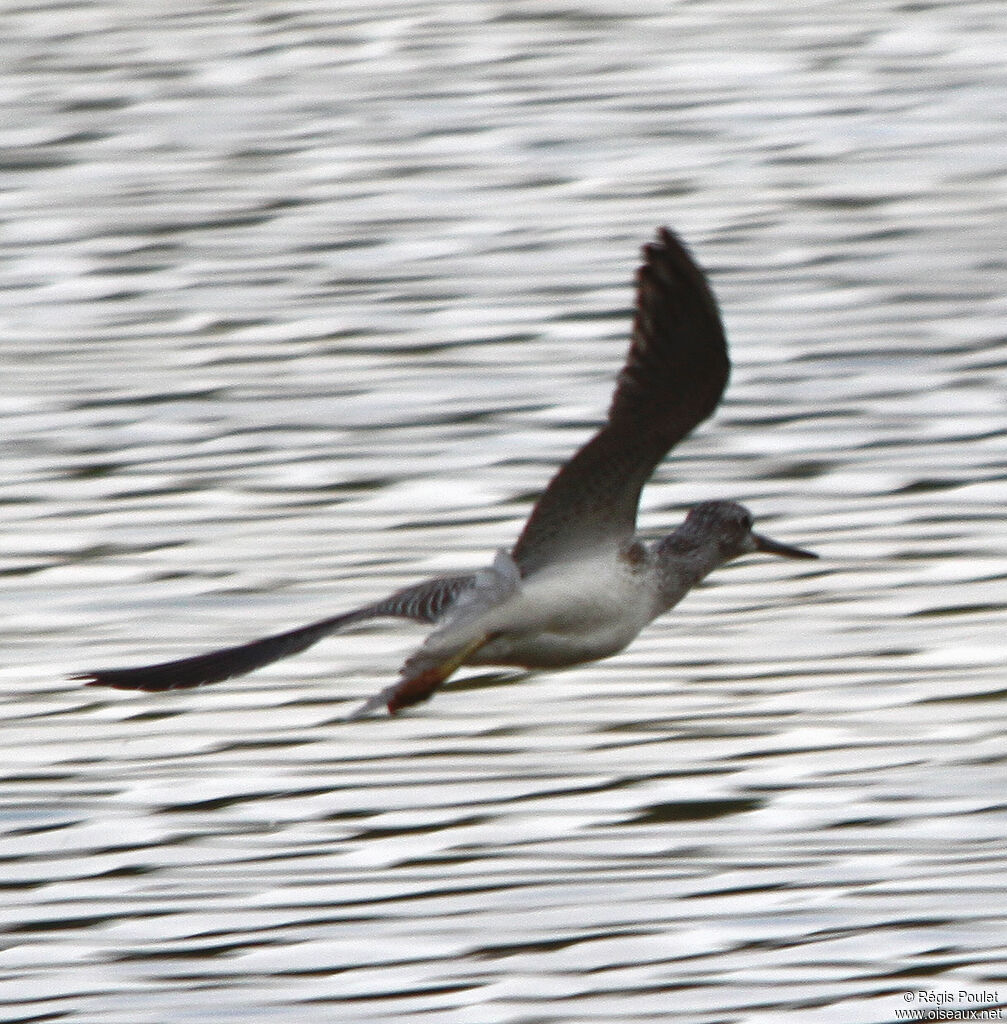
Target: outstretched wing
{"points": [[422, 602], [675, 373]]}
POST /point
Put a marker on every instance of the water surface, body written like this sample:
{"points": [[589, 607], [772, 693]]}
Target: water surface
{"points": [[304, 303]]}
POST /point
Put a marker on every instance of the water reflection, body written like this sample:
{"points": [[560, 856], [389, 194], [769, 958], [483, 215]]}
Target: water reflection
{"points": [[300, 308]]}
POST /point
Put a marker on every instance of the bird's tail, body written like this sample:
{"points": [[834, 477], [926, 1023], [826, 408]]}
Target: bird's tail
{"points": [[446, 649]]}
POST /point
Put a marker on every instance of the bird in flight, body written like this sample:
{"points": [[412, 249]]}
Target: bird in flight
{"points": [[578, 585]]}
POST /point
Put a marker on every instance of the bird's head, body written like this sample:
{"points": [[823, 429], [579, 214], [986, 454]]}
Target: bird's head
{"points": [[727, 526]]}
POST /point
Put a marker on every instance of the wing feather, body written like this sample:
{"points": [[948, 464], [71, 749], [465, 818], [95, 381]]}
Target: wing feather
{"points": [[423, 602], [674, 376]]}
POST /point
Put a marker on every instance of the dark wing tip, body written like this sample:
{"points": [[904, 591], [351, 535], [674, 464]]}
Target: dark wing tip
{"points": [[204, 669], [177, 675], [228, 662], [677, 367], [108, 679]]}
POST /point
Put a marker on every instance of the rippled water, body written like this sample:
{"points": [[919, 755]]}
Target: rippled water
{"points": [[303, 302]]}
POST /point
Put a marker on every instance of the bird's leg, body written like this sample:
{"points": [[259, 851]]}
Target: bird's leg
{"points": [[417, 686]]}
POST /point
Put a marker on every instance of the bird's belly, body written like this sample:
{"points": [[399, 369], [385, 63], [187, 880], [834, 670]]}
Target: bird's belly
{"points": [[567, 621], [548, 649]]}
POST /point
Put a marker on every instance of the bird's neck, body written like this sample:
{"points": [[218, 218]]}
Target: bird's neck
{"points": [[683, 560]]}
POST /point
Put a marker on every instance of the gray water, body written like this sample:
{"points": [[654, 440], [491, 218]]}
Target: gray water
{"points": [[304, 302]]}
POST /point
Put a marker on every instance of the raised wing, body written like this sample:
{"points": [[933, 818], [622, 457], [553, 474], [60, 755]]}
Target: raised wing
{"points": [[675, 373]]}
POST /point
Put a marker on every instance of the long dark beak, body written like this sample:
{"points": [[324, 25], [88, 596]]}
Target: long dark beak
{"points": [[774, 547]]}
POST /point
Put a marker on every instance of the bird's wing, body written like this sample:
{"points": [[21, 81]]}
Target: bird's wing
{"points": [[674, 375], [422, 602]]}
